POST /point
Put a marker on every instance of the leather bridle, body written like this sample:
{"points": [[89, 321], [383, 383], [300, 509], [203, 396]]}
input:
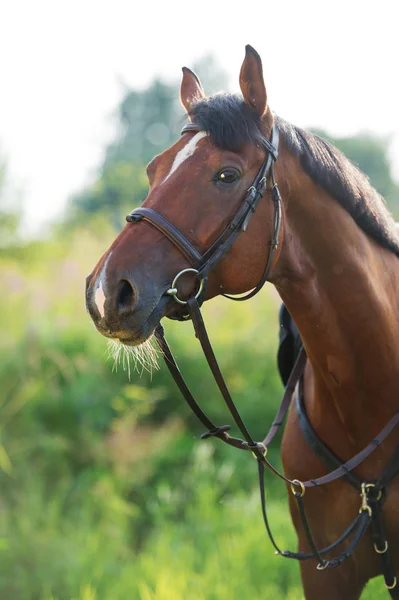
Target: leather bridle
{"points": [[372, 493], [202, 264]]}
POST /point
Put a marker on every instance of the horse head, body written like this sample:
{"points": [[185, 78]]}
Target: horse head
{"points": [[198, 186]]}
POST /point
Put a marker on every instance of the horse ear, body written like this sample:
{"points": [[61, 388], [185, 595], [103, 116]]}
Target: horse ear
{"points": [[251, 81], [191, 89]]}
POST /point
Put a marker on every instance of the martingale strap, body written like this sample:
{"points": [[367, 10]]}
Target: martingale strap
{"points": [[371, 493]]}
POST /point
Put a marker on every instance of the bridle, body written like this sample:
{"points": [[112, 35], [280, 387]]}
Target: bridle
{"points": [[202, 264], [372, 493]]}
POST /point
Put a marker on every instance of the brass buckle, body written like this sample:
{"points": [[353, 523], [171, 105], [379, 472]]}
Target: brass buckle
{"points": [[172, 291]]}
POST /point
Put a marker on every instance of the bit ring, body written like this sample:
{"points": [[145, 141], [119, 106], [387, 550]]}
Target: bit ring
{"points": [[172, 291]]}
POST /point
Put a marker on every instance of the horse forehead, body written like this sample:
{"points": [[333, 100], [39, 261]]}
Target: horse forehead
{"points": [[185, 152]]}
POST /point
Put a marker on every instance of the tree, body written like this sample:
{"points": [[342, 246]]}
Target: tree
{"points": [[149, 121], [371, 154], [122, 186]]}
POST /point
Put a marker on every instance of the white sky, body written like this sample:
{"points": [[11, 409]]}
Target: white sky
{"points": [[327, 63]]}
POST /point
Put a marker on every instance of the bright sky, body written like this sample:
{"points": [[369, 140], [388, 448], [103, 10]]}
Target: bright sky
{"points": [[331, 64]]}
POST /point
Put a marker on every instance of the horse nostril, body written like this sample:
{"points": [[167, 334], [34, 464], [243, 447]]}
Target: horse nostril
{"points": [[126, 298]]}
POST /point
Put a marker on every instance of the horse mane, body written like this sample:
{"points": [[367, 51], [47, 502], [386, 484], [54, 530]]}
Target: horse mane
{"points": [[231, 123]]}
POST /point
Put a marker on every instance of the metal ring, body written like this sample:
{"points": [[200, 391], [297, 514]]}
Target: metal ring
{"points": [[372, 485], [390, 587], [172, 291], [321, 567], [296, 482], [385, 548]]}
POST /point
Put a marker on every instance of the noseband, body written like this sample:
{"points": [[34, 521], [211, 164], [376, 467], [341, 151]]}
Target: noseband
{"points": [[202, 264]]}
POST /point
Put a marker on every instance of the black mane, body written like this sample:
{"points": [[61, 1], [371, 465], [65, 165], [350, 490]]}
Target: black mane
{"points": [[231, 124]]}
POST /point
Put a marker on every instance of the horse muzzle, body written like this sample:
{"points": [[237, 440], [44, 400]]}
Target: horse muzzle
{"points": [[122, 312]]}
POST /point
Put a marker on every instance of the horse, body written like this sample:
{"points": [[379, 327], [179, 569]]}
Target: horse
{"points": [[244, 197]]}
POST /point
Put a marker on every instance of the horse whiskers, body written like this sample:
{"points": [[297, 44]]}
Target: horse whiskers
{"points": [[143, 357]]}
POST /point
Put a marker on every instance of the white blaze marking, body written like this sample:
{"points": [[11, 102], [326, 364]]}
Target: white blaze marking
{"points": [[185, 152], [99, 295], [100, 299]]}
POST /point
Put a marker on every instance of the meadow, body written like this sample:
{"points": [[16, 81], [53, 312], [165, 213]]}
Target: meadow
{"points": [[107, 491]]}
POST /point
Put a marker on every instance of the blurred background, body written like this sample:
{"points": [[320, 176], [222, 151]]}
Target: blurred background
{"points": [[107, 491]]}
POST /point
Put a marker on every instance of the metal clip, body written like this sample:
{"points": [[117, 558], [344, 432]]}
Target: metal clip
{"points": [[363, 495]]}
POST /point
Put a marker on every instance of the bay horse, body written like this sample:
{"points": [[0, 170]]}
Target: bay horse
{"points": [[323, 237]]}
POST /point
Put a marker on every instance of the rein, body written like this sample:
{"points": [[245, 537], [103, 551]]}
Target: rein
{"points": [[372, 493]]}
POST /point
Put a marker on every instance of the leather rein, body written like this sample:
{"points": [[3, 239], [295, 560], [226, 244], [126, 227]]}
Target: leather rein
{"points": [[372, 493]]}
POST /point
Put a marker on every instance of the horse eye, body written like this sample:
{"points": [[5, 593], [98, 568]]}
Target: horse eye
{"points": [[227, 175]]}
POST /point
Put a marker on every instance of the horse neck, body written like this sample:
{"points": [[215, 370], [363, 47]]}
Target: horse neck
{"points": [[341, 289]]}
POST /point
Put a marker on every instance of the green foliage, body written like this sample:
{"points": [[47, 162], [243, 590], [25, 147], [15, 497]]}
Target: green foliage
{"points": [[148, 121]]}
